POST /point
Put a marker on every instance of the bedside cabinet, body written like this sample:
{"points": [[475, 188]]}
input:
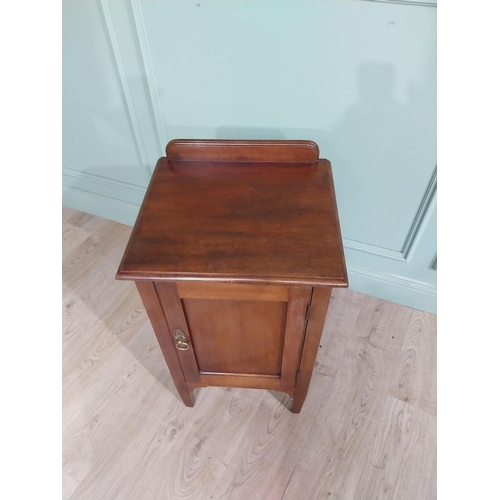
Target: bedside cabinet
{"points": [[235, 252]]}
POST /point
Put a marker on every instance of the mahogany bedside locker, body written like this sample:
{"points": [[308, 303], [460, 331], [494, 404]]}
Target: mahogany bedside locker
{"points": [[235, 252]]}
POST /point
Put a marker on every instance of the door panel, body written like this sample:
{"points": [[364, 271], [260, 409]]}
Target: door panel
{"points": [[237, 336], [237, 331]]}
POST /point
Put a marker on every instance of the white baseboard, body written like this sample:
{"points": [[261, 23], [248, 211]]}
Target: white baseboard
{"points": [[395, 288], [102, 206]]}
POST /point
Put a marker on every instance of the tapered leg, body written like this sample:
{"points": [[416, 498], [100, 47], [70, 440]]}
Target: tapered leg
{"points": [[185, 393], [319, 307], [153, 308], [298, 402]]}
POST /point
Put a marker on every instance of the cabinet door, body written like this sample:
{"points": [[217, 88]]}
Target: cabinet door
{"points": [[237, 335]]}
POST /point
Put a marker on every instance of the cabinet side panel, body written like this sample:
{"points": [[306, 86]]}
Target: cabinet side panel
{"points": [[319, 307], [155, 313], [300, 297], [237, 336]]}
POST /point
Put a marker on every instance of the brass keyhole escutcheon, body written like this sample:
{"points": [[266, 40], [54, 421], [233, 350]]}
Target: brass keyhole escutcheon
{"points": [[180, 340]]}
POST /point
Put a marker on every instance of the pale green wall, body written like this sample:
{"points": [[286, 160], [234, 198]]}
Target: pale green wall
{"points": [[358, 77]]}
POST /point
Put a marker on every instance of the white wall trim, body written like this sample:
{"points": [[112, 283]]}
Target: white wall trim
{"points": [[420, 3], [434, 263], [150, 77], [374, 250], [423, 209], [77, 174], [131, 113], [102, 206], [392, 287], [416, 226], [393, 279]]}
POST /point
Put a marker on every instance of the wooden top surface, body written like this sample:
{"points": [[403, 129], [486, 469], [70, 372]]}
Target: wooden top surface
{"points": [[237, 220]]}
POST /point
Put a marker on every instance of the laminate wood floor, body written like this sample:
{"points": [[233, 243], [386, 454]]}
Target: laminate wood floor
{"points": [[367, 429]]}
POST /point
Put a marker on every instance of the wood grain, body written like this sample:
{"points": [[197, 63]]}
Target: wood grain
{"points": [[90, 266], [96, 292], [415, 376], [69, 485], [87, 356], [94, 346], [160, 420], [84, 220], [332, 461], [163, 334], [230, 213], [67, 212], [242, 151], [401, 454], [127, 435], [300, 298], [432, 486], [231, 291], [269, 451], [237, 336], [199, 456], [248, 381], [343, 311], [174, 315], [314, 328], [92, 422], [73, 237], [76, 262], [255, 224], [138, 364]]}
